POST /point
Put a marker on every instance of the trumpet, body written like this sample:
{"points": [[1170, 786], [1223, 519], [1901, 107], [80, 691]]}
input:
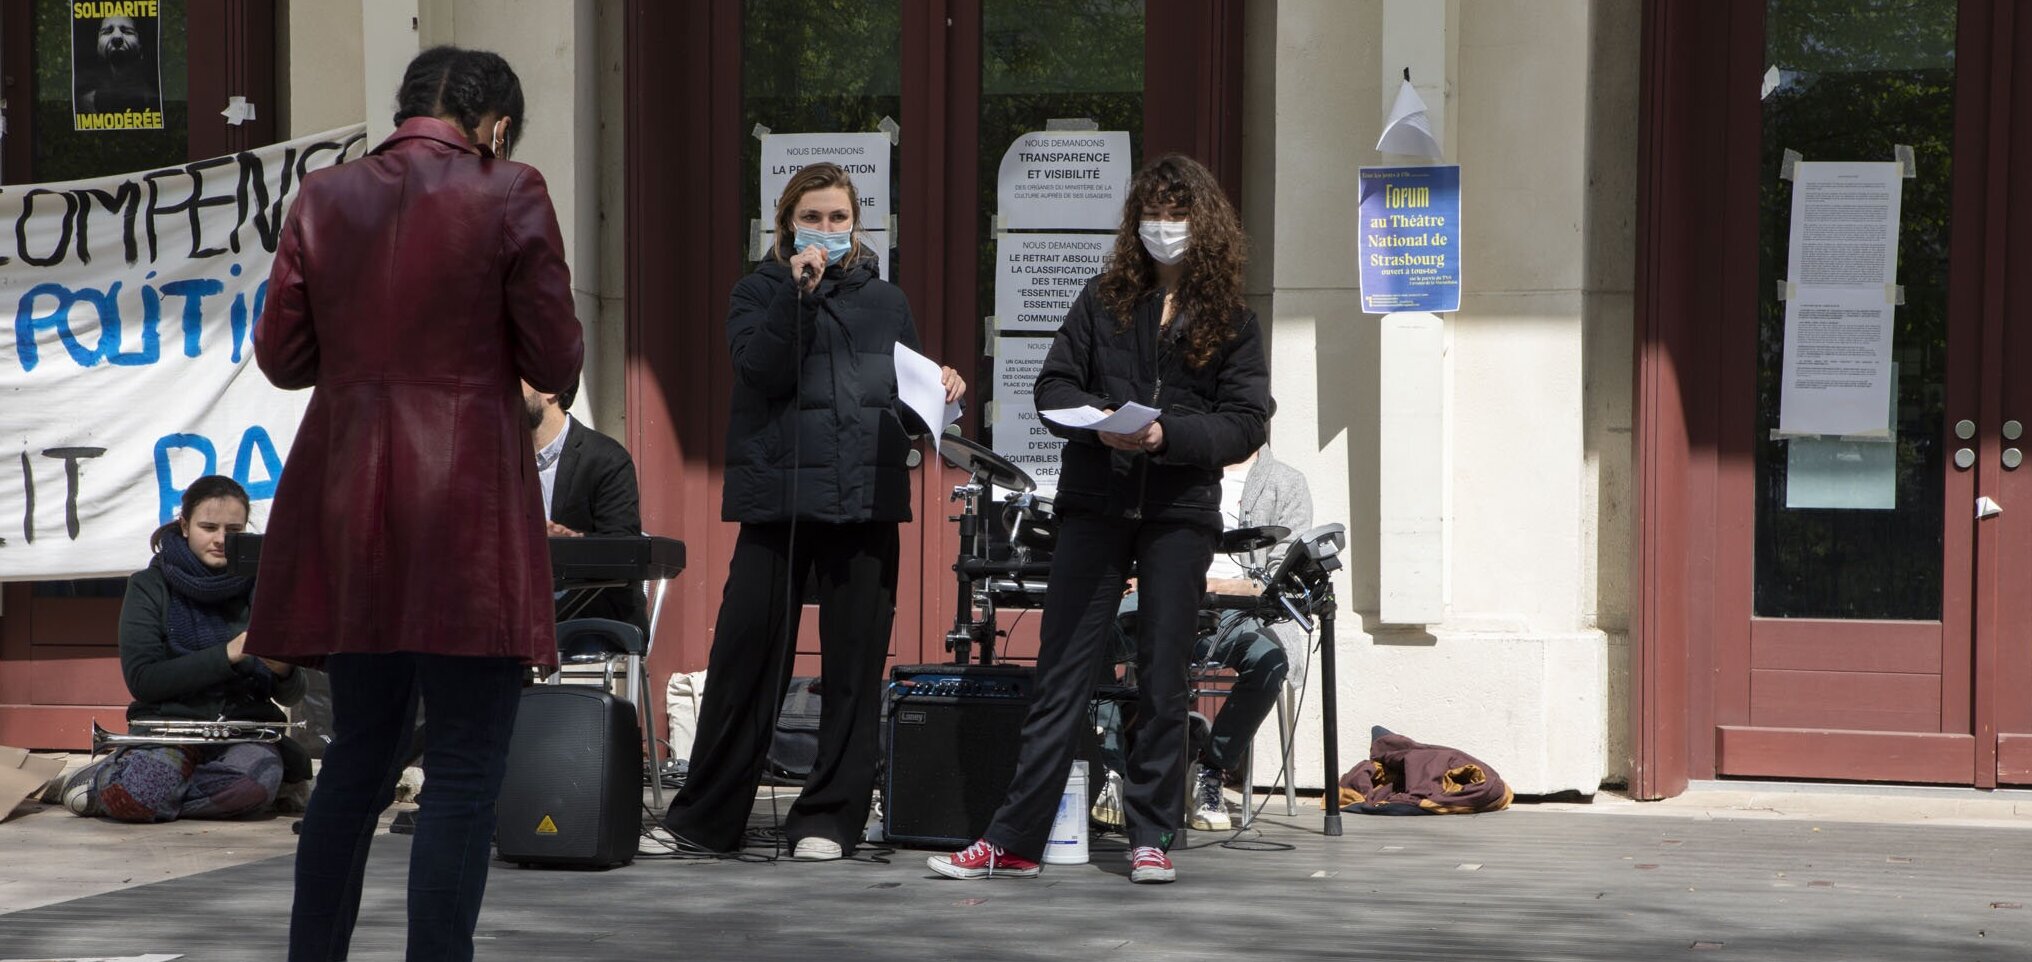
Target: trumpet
{"points": [[181, 731]]}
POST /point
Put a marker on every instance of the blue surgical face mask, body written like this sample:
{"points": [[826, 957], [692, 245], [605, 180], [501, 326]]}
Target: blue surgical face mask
{"points": [[836, 242]]}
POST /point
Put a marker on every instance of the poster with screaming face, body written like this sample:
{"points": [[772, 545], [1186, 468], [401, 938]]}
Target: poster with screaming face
{"points": [[116, 65]]}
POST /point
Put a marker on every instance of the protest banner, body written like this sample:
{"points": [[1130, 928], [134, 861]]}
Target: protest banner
{"points": [[129, 372]]}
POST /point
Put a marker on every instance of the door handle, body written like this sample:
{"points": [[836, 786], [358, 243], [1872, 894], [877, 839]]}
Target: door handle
{"points": [[1964, 458]]}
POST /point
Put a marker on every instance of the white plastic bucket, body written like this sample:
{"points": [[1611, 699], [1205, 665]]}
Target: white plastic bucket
{"points": [[1068, 842]]}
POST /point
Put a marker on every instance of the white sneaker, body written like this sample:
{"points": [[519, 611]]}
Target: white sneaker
{"points": [[1209, 803], [79, 794], [815, 849], [1107, 807]]}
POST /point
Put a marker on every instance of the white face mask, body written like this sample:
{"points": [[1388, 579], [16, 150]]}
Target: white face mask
{"points": [[1165, 239]]}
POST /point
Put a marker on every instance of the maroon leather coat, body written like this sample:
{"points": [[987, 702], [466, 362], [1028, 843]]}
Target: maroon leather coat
{"points": [[411, 289]]}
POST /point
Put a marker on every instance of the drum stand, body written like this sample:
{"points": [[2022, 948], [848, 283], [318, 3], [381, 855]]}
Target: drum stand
{"points": [[1329, 711], [1303, 588], [985, 469], [968, 631]]}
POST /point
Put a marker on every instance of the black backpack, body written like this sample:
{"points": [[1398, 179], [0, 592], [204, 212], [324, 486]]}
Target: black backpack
{"points": [[794, 749]]}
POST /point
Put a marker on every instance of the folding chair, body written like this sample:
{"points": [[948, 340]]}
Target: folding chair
{"points": [[606, 642]]}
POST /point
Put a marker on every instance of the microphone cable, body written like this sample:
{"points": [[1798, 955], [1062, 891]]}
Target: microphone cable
{"points": [[787, 645]]}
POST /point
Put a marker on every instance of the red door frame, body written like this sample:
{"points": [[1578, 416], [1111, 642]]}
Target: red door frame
{"points": [[1694, 404], [1676, 406], [682, 130], [2004, 545]]}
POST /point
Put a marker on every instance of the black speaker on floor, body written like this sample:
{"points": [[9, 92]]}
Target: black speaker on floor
{"points": [[572, 797], [953, 731]]}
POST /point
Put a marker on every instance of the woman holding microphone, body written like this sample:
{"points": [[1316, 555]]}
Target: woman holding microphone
{"points": [[1162, 325], [816, 476]]}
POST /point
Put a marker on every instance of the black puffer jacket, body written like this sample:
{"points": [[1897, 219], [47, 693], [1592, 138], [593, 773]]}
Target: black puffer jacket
{"points": [[817, 436], [1213, 416]]}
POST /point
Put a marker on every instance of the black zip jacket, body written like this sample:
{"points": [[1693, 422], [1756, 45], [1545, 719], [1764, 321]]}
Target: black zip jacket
{"points": [[1213, 415], [816, 435]]}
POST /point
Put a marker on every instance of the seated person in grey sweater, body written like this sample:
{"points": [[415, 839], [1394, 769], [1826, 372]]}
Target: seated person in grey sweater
{"points": [[183, 627], [1259, 490]]}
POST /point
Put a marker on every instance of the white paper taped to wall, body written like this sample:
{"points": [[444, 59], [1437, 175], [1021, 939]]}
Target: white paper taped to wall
{"points": [[1408, 130]]}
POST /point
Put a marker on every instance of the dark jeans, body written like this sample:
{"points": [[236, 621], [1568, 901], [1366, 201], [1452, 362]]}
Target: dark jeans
{"points": [[1089, 567], [472, 714], [748, 673], [1242, 644]]}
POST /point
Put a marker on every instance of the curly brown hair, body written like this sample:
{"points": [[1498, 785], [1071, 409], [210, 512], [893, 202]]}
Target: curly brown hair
{"points": [[1210, 285]]}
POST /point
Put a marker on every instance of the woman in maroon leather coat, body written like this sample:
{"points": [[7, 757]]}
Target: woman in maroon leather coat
{"points": [[414, 289]]}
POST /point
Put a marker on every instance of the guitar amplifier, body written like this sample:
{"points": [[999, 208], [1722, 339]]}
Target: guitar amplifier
{"points": [[952, 733], [572, 796]]}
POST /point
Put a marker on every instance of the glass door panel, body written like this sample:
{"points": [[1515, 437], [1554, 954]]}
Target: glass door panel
{"points": [[1846, 528], [1043, 60], [807, 68]]}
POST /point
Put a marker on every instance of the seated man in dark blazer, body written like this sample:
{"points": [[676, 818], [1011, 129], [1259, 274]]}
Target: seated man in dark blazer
{"points": [[588, 488]]}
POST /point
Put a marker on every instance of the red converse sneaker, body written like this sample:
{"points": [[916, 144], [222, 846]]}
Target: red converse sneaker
{"points": [[984, 859], [1151, 866]]}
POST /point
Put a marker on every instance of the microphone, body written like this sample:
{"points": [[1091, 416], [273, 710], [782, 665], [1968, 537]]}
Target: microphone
{"points": [[807, 274]]}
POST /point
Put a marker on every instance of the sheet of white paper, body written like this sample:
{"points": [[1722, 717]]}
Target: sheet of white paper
{"points": [[1127, 419], [1408, 130], [1064, 180], [1845, 224], [1038, 276], [1020, 435], [1837, 373], [1841, 474], [1842, 263], [918, 385]]}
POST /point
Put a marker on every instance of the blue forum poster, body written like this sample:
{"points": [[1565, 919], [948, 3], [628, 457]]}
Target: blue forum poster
{"points": [[1411, 239]]}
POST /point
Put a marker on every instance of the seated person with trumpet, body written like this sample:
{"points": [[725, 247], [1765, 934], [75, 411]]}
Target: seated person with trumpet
{"points": [[207, 732], [1257, 491]]}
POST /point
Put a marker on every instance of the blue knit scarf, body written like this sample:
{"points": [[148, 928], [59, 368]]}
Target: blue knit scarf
{"points": [[197, 619]]}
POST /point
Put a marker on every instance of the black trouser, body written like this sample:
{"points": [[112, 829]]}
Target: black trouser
{"points": [[1088, 569], [749, 671]]}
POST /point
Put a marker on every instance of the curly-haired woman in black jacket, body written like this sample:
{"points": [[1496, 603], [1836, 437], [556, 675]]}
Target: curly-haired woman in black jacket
{"points": [[1164, 326]]}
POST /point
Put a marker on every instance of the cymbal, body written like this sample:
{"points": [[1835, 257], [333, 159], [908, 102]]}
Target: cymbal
{"points": [[1252, 539], [978, 459]]}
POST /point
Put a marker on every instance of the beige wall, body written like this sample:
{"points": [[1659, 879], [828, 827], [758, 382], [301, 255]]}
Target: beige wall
{"points": [[555, 47], [318, 66], [1538, 107], [1609, 512], [344, 60]]}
